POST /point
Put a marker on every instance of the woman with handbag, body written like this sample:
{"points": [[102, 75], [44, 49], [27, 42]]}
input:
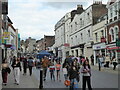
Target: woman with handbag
{"points": [[73, 75], [5, 71], [17, 68]]}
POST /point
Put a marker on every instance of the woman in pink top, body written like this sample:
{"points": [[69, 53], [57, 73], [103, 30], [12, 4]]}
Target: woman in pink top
{"points": [[58, 66]]}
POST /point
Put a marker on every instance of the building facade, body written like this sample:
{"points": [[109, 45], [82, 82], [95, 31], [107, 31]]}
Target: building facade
{"points": [[62, 33], [113, 29], [100, 37], [40, 45], [30, 45], [82, 29], [60, 37]]}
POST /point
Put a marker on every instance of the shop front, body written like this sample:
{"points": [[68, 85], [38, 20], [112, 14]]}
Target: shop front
{"points": [[99, 49], [114, 51]]}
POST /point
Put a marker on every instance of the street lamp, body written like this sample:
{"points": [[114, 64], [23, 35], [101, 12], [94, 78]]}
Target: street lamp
{"points": [[41, 78]]}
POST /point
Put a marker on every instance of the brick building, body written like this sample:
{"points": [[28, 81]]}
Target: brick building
{"points": [[113, 28], [45, 43]]}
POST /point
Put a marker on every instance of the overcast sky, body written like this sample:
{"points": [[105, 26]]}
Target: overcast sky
{"points": [[36, 18]]}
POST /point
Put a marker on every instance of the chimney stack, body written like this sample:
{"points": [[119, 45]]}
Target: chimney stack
{"points": [[97, 2], [80, 9], [79, 6]]}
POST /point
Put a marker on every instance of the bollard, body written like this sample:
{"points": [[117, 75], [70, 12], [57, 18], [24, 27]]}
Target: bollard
{"points": [[41, 79]]}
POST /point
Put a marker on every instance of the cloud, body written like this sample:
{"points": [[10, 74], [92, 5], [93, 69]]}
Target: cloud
{"points": [[34, 21], [50, 1], [37, 18]]}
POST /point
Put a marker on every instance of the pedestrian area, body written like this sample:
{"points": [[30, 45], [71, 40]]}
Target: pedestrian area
{"points": [[32, 82], [108, 76], [51, 83], [26, 81]]}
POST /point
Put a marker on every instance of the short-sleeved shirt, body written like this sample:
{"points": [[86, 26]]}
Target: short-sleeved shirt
{"points": [[58, 66]]}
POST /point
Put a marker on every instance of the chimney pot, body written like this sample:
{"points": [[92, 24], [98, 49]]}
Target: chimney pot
{"points": [[79, 6]]}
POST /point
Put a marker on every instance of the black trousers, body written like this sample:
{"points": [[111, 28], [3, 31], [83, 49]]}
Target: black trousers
{"points": [[86, 79], [44, 72], [99, 67], [30, 70], [25, 69], [107, 64], [114, 64]]}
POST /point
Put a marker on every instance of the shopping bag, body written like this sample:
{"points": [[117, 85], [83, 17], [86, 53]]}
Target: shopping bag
{"points": [[67, 82]]}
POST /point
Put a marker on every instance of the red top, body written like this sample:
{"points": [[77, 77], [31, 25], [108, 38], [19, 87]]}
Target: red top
{"points": [[58, 66]]}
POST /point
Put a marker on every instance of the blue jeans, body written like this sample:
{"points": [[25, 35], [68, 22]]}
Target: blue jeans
{"points": [[73, 84], [66, 77]]}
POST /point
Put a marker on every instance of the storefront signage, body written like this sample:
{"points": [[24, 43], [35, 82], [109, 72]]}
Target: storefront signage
{"points": [[99, 46], [6, 35]]}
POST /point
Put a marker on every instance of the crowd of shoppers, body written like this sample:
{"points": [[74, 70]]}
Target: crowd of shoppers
{"points": [[72, 68]]}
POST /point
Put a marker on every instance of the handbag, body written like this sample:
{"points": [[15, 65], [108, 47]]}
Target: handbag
{"points": [[8, 70], [67, 82]]}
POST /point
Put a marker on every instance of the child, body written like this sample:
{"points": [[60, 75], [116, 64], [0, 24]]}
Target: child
{"points": [[52, 69], [58, 66]]}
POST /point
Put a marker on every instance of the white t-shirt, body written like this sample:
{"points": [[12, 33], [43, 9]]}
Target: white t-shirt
{"points": [[64, 70]]}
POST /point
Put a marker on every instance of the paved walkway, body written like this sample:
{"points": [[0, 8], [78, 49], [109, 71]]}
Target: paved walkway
{"points": [[108, 76], [109, 70], [32, 82], [26, 81]]}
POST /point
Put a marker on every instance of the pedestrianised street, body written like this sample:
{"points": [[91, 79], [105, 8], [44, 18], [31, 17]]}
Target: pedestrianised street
{"points": [[60, 44]]}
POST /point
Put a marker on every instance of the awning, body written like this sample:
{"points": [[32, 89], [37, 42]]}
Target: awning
{"points": [[7, 45], [113, 48]]}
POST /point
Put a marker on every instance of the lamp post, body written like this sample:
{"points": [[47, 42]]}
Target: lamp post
{"points": [[41, 78]]}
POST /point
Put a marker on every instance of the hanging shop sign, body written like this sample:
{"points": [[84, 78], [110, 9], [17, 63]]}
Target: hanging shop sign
{"points": [[6, 35]]}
